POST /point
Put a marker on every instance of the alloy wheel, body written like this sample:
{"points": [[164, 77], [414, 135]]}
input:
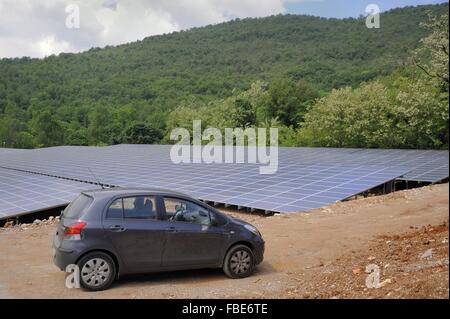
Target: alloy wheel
{"points": [[95, 272]]}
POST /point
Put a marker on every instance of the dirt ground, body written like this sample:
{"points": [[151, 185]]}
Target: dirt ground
{"points": [[323, 253]]}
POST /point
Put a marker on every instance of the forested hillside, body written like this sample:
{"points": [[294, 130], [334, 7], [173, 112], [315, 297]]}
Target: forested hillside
{"points": [[136, 92]]}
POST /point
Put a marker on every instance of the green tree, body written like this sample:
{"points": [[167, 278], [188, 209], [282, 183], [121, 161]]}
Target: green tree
{"points": [[421, 116], [13, 129], [77, 136], [432, 56], [99, 128], [25, 139], [289, 101], [47, 129], [244, 115], [141, 134], [351, 118], [9, 129], [406, 113]]}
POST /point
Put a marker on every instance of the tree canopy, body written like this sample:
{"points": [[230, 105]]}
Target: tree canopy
{"points": [[307, 75]]}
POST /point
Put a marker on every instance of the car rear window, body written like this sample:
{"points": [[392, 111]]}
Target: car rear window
{"points": [[78, 206]]}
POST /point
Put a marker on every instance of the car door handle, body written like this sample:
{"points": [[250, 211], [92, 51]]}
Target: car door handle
{"points": [[226, 232], [172, 230], [116, 228]]}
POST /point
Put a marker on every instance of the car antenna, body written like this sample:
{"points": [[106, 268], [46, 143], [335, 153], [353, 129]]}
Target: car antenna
{"points": [[96, 179]]}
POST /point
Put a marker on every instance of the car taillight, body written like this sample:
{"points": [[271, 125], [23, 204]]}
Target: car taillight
{"points": [[73, 231]]}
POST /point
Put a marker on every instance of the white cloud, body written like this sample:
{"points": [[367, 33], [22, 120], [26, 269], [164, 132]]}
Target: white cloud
{"points": [[37, 28], [132, 20], [49, 45]]}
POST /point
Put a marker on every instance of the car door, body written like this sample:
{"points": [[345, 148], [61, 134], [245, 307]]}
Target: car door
{"points": [[191, 240], [133, 226]]}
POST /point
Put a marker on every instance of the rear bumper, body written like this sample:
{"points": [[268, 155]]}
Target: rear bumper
{"points": [[64, 257], [66, 253]]}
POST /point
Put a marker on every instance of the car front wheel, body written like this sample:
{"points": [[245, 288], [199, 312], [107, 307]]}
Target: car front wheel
{"points": [[97, 271], [239, 262]]}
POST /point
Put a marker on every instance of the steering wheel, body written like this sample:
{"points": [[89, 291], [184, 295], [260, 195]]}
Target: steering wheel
{"points": [[178, 214]]}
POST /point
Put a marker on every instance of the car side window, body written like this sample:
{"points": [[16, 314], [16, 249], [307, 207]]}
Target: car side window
{"points": [[217, 219], [139, 207], [115, 210], [184, 211]]}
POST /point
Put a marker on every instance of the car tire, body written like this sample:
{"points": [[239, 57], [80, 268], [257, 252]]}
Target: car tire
{"points": [[97, 271], [239, 262]]}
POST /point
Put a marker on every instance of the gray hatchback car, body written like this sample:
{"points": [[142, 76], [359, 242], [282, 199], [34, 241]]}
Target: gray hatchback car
{"points": [[117, 231]]}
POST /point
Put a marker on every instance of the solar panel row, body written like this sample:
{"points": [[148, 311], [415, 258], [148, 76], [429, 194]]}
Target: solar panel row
{"points": [[307, 177], [23, 192], [423, 165]]}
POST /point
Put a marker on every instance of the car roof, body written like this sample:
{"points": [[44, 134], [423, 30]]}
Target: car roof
{"points": [[124, 191]]}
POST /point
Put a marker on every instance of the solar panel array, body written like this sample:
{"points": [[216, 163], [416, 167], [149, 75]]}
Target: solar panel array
{"points": [[24, 192], [424, 165], [307, 177]]}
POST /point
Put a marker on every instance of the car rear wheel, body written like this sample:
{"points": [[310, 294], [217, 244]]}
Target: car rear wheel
{"points": [[97, 271], [239, 262]]}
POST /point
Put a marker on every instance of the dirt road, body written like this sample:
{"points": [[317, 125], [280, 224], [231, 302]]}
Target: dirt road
{"points": [[322, 253]]}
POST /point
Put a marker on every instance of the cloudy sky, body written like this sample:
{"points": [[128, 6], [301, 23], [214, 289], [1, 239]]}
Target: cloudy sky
{"points": [[38, 28]]}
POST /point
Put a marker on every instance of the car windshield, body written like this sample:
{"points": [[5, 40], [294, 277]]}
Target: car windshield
{"points": [[77, 207]]}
